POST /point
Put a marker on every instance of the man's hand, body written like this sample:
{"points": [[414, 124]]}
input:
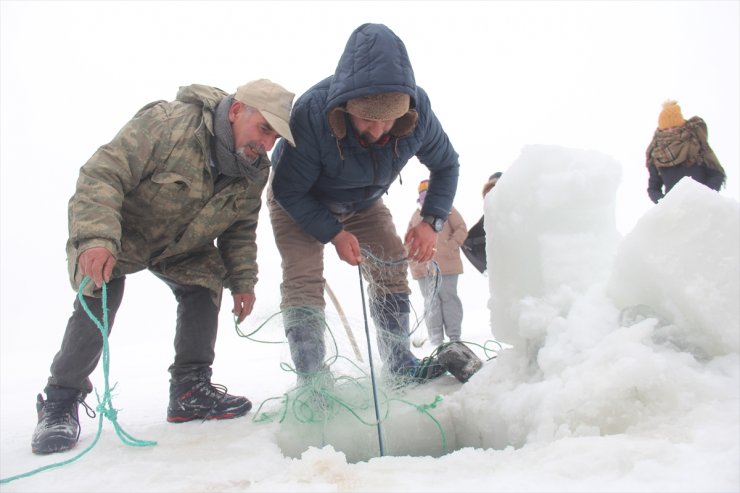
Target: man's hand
{"points": [[420, 242], [97, 263], [348, 248], [243, 304]]}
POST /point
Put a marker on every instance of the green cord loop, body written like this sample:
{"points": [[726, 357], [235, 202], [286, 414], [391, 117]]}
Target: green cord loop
{"points": [[105, 406]]}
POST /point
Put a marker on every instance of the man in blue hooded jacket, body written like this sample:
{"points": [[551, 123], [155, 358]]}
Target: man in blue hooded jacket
{"points": [[354, 132]]}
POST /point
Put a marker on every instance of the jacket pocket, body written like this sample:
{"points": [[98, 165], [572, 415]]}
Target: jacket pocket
{"points": [[170, 193]]}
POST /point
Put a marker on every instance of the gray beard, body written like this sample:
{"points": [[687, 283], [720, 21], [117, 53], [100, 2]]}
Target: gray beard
{"points": [[243, 158], [226, 160]]}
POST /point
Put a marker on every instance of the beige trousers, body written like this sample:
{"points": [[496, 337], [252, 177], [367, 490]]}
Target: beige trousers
{"points": [[303, 255]]}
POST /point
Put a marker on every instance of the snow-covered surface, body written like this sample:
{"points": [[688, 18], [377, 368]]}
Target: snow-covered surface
{"points": [[624, 375], [623, 315]]}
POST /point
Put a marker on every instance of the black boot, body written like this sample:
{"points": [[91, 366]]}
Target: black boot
{"points": [[58, 428], [391, 316], [193, 396]]}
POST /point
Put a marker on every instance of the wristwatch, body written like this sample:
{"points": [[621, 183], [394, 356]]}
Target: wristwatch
{"points": [[435, 222]]}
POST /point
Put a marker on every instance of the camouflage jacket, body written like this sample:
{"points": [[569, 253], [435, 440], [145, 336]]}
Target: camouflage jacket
{"points": [[148, 197]]}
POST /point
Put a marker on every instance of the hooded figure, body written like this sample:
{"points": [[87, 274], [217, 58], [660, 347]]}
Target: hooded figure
{"points": [[474, 246], [333, 172], [679, 148], [354, 132]]}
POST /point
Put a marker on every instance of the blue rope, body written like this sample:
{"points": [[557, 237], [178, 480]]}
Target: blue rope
{"points": [[105, 405]]}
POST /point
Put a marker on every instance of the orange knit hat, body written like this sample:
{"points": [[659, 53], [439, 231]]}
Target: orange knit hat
{"points": [[423, 185], [670, 116]]}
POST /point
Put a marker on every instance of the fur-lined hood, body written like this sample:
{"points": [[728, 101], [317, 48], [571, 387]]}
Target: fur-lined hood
{"points": [[325, 176], [374, 61]]}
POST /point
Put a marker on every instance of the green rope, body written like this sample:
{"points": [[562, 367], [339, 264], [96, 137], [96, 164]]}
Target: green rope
{"points": [[249, 336], [316, 404], [311, 404], [424, 409], [300, 402], [489, 352], [105, 405]]}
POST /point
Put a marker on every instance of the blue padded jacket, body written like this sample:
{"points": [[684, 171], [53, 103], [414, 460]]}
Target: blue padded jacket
{"points": [[326, 174]]}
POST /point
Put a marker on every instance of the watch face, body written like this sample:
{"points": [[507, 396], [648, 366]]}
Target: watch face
{"points": [[436, 223]]}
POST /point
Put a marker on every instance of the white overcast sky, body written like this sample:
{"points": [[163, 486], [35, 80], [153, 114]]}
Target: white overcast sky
{"points": [[501, 75]]}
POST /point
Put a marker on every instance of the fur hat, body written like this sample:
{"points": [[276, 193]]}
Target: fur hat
{"points": [[670, 116], [403, 126], [423, 185], [380, 107]]}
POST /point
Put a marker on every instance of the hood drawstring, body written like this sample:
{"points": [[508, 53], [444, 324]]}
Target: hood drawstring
{"points": [[339, 148]]}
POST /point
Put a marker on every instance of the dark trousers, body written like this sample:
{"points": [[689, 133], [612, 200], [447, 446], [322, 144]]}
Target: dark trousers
{"points": [[82, 345]]}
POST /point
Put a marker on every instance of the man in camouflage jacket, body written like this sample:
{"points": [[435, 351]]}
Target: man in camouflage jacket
{"points": [[176, 177]]}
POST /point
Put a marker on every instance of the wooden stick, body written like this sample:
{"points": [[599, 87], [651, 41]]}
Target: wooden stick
{"points": [[345, 322]]}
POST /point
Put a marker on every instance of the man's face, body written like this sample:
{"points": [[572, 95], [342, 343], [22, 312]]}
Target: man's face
{"points": [[253, 136], [371, 130]]}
